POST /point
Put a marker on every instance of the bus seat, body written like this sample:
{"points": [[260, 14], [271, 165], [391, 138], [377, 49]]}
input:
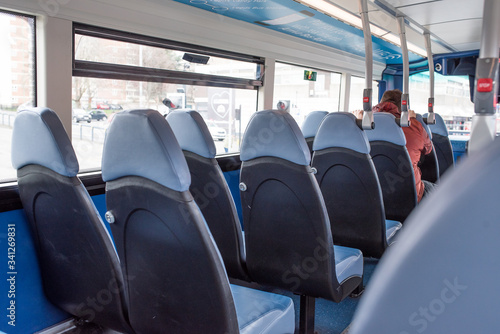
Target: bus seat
{"points": [[287, 232], [209, 188], [349, 183], [77, 258], [393, 165], [442, 144], [442, 274], [429, 165], [178, 283], [310, 126]]}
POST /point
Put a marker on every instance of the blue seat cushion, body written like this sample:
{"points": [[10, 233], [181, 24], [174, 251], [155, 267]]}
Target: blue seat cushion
{"points": [[263, 312], [39, 138], [191, 132], [141, 143], [386, 129], [339, 129], [312, 123], [439, 127], [274, 133], [391, 229], [348, 262]]}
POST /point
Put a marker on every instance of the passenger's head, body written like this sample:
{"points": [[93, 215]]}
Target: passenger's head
{"points": [[393, 96]]}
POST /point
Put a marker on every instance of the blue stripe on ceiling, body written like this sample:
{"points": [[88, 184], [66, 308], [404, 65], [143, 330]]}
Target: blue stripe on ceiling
{"points": [[293, 18]]}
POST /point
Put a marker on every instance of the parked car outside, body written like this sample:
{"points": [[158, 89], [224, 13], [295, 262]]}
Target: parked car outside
{"points": [[115, 107], [102, 105], [80, 115], [216, 131], [98, 115]]}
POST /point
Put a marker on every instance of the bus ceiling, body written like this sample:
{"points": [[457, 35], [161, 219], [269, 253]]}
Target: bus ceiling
{"points": [[337, 23]]}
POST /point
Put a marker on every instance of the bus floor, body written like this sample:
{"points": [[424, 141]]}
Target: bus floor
{"points": [[335, 318], [331, 317]]}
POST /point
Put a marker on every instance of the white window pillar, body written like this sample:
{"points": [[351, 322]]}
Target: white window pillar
{"points": [[345, 89], [267, 91]]}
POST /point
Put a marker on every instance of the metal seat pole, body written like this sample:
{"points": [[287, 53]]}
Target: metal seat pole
{"points": [[307, 309], [367, 121], [430, 105], [405, 99]]}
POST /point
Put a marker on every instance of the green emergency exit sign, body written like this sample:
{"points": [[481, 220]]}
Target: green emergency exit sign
{"points": [[310, 75]]}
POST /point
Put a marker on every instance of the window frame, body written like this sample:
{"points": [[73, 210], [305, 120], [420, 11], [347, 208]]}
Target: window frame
{"points": [[82, 68]]}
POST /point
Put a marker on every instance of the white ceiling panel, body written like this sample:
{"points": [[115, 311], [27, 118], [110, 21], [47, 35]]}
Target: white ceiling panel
{"points": [[401, 3], [438, 48], [460, 34], [468, 46], [457, 23], [426, 12]]}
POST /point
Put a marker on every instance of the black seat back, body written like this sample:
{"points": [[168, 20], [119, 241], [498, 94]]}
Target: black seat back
{"points": [[349, 183], [394, 167], [177, 279], [429, 165], [209, 188], [287, 231], [78, 262], [310, 126], [442, 144]]}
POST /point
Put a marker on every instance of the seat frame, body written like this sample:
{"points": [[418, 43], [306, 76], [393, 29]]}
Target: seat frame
{"points": [[274, 262], [353, 198], [396, 177]]}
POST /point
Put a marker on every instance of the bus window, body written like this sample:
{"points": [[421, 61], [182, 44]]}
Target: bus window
{"points": [[225, 110], [451, 99], [125, 53], [356, 93], [17, 82], [319, 92], [222, 86]]}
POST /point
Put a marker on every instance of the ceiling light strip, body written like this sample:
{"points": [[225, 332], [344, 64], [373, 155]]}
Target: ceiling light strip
{"points": [[340, 14]]}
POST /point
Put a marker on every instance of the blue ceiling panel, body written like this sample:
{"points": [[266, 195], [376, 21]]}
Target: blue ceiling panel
{"points": [[293, 18]]}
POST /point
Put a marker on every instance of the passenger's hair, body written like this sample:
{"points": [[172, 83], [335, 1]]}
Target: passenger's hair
{"points": [[393, 96]]}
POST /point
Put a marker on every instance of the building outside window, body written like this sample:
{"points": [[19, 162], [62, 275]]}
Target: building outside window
{"points": [[17, 79]]}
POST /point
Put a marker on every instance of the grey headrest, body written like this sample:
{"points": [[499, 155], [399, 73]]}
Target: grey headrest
{"points": [[386, 129], [433, 279], [141, 143], [424, 125], [312, 122], [339, 129], [39, 138], [192, 132], [274, 133], [440, 127]]}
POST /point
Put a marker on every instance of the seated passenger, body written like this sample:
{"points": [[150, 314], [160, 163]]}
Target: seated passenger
{"points": [[418, 142]]}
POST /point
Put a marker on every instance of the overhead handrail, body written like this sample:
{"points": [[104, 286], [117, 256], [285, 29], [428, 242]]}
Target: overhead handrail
{"points": [[405, 100], [367, 121], [430, 104], [484, 121]]}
